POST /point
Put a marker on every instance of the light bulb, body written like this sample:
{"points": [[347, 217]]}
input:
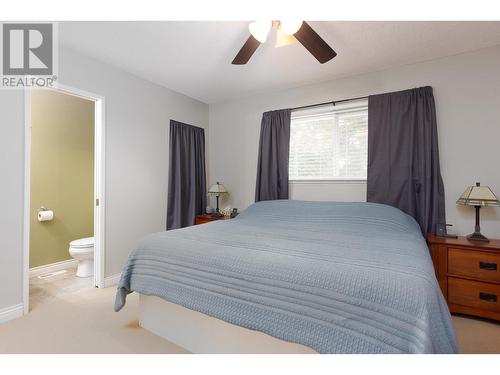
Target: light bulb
{"points": [[260, 29], [290, 27], [282, 39]]}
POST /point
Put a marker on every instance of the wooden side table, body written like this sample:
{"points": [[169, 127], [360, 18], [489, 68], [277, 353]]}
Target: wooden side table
{"points": [[202, 219], [469, 274]]}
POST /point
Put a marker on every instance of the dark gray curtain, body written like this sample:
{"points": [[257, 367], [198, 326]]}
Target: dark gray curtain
{"points": [[403, 156], [274, 146], [186, 175]]}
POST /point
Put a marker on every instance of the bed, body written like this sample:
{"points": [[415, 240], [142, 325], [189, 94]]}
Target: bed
{"points": [[320, 277]]}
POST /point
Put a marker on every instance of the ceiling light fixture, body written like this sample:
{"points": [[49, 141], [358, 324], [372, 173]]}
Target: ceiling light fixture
{"points": [[260, 30], [283, 39], [290, 27], [287, 32]]}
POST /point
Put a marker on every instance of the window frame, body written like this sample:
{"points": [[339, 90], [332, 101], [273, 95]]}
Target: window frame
{"points": [[325, 110]]}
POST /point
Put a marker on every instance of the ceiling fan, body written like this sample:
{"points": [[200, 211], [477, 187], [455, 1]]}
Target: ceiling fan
{"points": [[287, 32]]}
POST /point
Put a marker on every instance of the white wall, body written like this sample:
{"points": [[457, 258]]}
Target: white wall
{"points": [[137, 128], [11, 193], [137, 124], [467, 94]]}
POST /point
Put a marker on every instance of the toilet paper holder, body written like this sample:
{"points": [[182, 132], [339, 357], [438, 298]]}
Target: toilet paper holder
{"points": [[44, 214]]}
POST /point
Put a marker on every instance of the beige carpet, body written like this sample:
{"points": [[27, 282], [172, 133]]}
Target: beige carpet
{"points": [[84, 322], [476, 336]]}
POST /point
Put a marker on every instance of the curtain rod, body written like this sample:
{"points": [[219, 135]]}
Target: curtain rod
{"points": [[333, 102]]}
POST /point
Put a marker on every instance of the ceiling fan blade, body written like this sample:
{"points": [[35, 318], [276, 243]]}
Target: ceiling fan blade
{"points": [[246, 51], [314, 43]]}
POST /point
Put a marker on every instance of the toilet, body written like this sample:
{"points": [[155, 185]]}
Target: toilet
{"points": [[83, 251]]}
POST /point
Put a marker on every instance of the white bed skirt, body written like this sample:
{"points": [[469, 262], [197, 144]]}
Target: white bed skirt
{"points": [[200, 333]]}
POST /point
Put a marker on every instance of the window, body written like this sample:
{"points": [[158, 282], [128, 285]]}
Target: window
{"points": [[330, 144]]}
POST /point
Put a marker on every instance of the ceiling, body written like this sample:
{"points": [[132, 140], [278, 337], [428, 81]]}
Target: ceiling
{"points": [[194, 58]]}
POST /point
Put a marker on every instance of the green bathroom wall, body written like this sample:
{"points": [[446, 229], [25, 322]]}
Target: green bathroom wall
{"points": [[62, 173]]}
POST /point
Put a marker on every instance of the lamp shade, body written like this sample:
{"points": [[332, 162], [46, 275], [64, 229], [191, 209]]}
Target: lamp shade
{"points": [[478, 196], [217, 189]]}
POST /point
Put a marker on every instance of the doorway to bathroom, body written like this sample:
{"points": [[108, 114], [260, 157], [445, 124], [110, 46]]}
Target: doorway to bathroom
{"points": [[64, 189]]}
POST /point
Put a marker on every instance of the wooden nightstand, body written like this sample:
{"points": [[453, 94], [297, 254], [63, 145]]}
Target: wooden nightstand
{"points": [[469, 274], [202, 219]]}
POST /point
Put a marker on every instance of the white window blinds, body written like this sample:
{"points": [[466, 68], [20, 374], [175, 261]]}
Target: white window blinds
{"points": [[329, 145]]}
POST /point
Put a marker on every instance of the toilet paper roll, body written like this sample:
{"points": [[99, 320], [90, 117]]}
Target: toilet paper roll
{"points": [[45, 215]]}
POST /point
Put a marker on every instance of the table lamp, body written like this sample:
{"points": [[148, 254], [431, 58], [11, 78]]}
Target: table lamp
{"points": [[478, 196], [217, 190]]}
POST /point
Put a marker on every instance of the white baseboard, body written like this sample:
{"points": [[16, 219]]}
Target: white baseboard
{"points": [[112, 280], [65, 264], [11, 312]]}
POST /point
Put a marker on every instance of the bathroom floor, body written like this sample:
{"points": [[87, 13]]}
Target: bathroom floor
{"points": [[56, 285]]}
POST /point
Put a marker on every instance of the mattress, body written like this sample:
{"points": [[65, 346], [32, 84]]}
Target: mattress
{"points": [[337, 277]]}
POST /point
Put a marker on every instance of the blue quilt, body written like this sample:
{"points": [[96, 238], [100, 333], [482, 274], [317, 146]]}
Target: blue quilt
{"points": [[337, 277]]}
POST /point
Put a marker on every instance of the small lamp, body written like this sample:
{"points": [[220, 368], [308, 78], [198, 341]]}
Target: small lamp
{"points": [[217, 190], [478, 196]]}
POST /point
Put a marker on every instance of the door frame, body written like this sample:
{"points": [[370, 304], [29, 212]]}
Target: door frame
{"points": [[99, 184]]}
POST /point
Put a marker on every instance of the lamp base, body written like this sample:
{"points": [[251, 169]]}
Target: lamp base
{"points": [[217, 214], [477, 236]]}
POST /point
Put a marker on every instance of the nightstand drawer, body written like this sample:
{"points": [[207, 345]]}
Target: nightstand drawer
{"points": [[474, 294], [203, 220], [476, 264]]}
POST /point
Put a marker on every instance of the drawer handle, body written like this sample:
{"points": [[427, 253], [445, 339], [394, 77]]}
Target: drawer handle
{"points": [[487, 297], [488, 266]]}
